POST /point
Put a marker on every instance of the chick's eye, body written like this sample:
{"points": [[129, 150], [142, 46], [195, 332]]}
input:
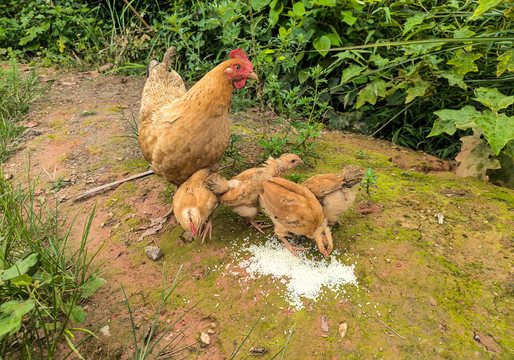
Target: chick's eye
{"points": [[238, 67]]}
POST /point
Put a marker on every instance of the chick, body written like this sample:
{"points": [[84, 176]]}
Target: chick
{"points": [[293, 208], [241, 193], [194, 203], [335, 192]]}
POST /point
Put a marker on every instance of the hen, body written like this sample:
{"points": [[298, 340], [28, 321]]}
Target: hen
{"points": [[194, 203], [335, 192], [241, 193], [293, 208], [182, 132]]}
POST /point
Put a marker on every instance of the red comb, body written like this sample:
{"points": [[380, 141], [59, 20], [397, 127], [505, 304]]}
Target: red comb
{"points": [[238, 54]]}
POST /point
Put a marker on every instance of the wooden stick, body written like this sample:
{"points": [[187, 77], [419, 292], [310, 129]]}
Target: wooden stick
{"points": [[387, 326], [139, 16], [115, 183]]}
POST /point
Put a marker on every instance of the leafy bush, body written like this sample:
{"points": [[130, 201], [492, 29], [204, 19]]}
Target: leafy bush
{"points": [[383, 68]]}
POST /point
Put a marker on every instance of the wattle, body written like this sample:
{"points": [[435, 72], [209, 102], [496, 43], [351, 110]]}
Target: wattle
{"points": [[240, 83]]}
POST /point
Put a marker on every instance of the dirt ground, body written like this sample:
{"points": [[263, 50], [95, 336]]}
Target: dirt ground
{"points": [[427, 290]]}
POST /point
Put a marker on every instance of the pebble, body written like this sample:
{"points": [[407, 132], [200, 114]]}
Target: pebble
{"points": [[105, 331], [153, 252], [258, 350], [343, 327], [205, 339]]}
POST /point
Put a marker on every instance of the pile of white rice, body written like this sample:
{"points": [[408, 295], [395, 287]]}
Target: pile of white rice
{"points": [[304, 278]]}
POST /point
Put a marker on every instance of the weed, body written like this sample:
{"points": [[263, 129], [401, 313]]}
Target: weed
{"points": [[369, 182], [144, 346], [232, 151], [275, 146], [360, 154]]}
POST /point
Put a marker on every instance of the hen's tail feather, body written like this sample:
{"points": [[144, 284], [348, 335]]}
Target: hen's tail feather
{"points": [[169, 56], [352, 175], [217, 184]]}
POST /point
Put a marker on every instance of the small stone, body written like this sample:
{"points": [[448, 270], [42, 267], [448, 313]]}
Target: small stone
{"points": [[169, 337], [343, 327], [388, 260], [205, 339], [105, 331], [476, 337], [153, 252], [212, 325], [258, 350], [210, 331]]}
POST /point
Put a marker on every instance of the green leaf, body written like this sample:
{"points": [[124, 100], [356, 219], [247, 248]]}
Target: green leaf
{"points": [[283, 32], [348, 17], [463, 33], [453, 78], [11, 314], [334, 39], [498, 129], [464, 61], [275, 11], [91, 286], [303, 75], [505, 62], [22, 280], [350, 72], [413, 21], [451, 120], [493, 99], [299, 9], [322, 43], [259, 4], [21, 267], [419, 89], [371, 92], [484, 6], [77, 315], [325, 2], [475, 158]]}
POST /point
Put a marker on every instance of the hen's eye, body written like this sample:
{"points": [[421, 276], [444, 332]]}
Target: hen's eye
{"points": [[238, 67], [293, 160]]}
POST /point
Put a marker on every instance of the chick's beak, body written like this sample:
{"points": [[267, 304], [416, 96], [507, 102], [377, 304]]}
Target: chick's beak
{"points": [[253, 76], [193, 230]]}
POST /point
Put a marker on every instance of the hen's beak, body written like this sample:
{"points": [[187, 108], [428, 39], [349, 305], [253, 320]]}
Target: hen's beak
{"points": [[252, 75], [326, 254]]}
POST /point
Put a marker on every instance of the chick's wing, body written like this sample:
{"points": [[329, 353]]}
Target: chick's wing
{"points": [[323, 184], [292, 205]]}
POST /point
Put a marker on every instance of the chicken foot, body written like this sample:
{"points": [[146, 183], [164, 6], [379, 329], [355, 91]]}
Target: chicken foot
{"points": [[207, 227], [258, 225], [291, 247]]}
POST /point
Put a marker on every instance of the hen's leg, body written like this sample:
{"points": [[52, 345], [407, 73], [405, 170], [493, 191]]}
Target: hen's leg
{"points": [[291, 247]]}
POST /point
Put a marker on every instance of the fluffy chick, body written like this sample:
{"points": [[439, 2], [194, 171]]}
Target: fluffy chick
{"points": [[241, 192], [335, 192], [194, 203], [293, 208]]}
